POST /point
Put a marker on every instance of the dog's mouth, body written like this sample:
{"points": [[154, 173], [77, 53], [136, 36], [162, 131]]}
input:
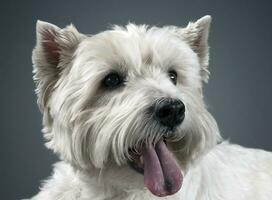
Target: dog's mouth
{"points": [[162, 175]]}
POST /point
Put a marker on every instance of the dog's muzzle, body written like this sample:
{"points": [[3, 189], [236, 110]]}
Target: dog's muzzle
{"points": [[162, 174], [169, 112]]}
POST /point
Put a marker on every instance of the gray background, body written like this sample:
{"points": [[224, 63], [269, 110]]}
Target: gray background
{"points": [[239, 92]]}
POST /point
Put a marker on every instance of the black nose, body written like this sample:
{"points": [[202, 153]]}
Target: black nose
{"points": [[169, 112]]}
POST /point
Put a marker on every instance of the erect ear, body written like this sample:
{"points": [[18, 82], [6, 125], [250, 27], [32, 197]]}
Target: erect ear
{"points": [[52, 55], [196, 35]]}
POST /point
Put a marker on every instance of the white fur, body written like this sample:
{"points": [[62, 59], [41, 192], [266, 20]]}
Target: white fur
{"points": [[91, 129], [227, 172]]}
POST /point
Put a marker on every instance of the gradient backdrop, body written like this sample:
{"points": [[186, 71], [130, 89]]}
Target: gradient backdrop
{"points": [[239, 93]]}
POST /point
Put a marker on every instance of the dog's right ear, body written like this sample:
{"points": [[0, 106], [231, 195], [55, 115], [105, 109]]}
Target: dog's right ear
{"points": [[52, 54]]}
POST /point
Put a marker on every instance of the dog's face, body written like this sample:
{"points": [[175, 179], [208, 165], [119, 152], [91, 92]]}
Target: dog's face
{"points": [[126, 100]]}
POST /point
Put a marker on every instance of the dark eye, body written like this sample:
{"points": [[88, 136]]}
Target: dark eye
{"points": [[112, 80], [173, 76]]}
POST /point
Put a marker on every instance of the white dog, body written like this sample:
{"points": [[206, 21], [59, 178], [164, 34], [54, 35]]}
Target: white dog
{"points": [[124, 111]]}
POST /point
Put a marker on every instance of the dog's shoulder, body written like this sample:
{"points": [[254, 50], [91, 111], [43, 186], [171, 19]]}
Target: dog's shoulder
{"points": [[236, 172], [234, 153], [59, 184], [66, 183]]}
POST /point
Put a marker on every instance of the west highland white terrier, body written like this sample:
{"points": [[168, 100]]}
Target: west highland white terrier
{"points": [[124, 111]]}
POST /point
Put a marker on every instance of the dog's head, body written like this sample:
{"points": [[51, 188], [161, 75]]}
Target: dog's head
{"points": [[125, 100]]}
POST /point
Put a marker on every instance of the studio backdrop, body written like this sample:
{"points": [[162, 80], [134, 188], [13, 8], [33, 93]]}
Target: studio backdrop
{"points": [[239, 93]]}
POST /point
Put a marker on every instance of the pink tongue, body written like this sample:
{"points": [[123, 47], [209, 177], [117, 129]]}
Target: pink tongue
{"points": [[162, 175]]}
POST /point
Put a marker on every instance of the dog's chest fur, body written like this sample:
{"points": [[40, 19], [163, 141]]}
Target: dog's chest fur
{"points": [[228, 172]]}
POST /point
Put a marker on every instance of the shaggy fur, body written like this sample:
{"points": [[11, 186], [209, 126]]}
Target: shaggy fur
{"points": [[92, 128]]}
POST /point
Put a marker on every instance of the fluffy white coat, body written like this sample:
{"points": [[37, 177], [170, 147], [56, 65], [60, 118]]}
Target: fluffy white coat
{"points": [[228, 172], [92, 128]]}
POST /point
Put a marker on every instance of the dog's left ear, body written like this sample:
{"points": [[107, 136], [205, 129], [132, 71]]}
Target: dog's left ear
{"points": [[196, 35]]}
